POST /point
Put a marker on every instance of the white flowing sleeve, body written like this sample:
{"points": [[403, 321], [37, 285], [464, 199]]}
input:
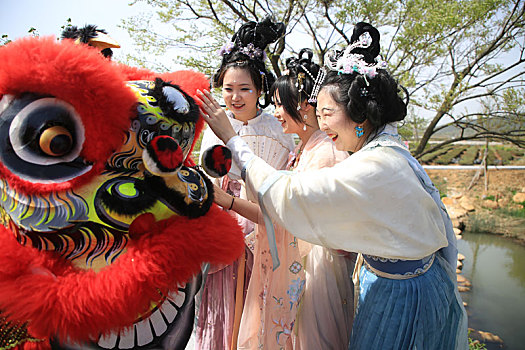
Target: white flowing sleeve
{"points": [[370, 203], [241, 153]]}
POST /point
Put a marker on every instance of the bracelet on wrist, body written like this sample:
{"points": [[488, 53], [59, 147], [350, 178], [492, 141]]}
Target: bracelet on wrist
{"points": [[231, 205]]}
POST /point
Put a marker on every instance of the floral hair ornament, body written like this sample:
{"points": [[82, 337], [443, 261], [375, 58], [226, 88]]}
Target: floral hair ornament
{"points": [[349, 62], [249, 50], [253, 52], [226, 48]]}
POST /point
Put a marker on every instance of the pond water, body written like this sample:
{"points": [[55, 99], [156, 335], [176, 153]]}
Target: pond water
{"points": [[496, 301]]}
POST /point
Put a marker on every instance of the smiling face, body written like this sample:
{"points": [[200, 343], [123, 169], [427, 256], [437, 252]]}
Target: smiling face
{"points": [[335, 123], [240, 94], [289, 125]]}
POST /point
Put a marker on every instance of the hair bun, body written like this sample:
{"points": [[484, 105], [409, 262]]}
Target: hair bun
{"points": [[303, 64], [294, 62], [260, 34], [372, 51]]}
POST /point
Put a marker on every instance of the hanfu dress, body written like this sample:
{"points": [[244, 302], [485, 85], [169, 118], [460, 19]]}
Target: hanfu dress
{"points": [[215, 326], [379, 203], [276, 299]]}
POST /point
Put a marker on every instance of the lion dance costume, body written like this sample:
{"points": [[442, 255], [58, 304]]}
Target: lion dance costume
{"points": [[106, 221]]}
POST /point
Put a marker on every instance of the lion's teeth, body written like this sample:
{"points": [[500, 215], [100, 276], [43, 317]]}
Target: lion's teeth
{"points": [[127, 338], [144, 334], [158, 323], [108, 342], [169, 311], [178, 298]]}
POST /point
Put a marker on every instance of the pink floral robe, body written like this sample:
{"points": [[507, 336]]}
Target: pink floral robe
{"points": [[275, 301]]}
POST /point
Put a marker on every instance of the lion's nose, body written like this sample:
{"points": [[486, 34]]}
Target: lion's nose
{"points": [[163, 155]]}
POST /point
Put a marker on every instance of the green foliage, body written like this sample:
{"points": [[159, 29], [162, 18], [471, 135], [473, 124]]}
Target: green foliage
{"points": [[505, 155], [429, 157], [472, 155], [450, 156], [406, 132], [4, 39], [491, 158], [67, 24], [469, 156], [457, 58], [198, 29], [33, 31], [512, 212], [475, 344]]}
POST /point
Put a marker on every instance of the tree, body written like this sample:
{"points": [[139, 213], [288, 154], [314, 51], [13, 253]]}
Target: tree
{"points": [[461, 60], [4, 38]]}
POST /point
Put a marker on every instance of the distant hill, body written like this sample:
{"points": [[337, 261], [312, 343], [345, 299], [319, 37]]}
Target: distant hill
{"points": [[451, 131]]}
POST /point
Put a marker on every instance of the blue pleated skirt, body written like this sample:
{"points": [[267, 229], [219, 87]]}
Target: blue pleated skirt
{"points": [[423, 312]]}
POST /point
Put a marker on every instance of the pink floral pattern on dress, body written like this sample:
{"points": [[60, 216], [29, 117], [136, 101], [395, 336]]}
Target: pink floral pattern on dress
{"points": [[273, 297]]}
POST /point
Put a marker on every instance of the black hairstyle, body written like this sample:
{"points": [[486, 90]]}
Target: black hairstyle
{"points": [[84, 35], [376, 99], [297, 85], [247, 52]]}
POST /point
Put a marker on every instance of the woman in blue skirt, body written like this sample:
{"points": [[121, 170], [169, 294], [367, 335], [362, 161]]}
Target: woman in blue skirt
{"points": [[379, 202]]}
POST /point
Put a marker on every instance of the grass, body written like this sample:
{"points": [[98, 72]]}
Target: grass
{"points": [[515, 213], [475, 344], [452, 156], [441, 185], [430, 157], [481, 223], [471, 155]]}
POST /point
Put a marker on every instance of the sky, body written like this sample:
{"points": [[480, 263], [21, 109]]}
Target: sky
{"points": [[47, 16]]}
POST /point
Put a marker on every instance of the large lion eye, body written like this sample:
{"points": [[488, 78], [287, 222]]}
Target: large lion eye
{"points": [[47, 131], [56, 141], [177, 99]]}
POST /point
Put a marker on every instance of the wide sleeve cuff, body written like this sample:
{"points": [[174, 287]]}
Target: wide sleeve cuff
{"points": [[242, 154]]}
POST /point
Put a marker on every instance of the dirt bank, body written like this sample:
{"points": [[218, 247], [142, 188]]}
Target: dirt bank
{"points": [[488, 200]]}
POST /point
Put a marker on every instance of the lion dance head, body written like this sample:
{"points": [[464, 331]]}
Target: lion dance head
{"points": [[105, 221]]}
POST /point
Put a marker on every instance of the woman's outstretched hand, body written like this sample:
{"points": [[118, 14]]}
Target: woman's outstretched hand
{"points": [[221, 197], [215, 116]]}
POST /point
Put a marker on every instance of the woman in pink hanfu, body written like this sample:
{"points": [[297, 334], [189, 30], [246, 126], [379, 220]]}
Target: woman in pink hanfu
{"points": [[307, 301]]}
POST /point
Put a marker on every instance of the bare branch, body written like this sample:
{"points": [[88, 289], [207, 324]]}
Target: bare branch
{"points": [[333, 24]]}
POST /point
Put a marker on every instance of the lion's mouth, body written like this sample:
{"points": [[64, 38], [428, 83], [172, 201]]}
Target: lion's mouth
{"points": [[169, 325]]}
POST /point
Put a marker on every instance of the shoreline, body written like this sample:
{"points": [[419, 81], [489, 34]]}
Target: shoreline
{"points": [[481, 204]]}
